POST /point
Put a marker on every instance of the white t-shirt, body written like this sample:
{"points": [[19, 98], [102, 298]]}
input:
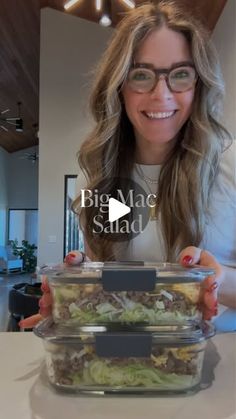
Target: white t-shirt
{"points": [[220, 232]]}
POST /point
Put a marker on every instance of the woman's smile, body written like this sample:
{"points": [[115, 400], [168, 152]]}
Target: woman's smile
{"points": [[158, 115]]}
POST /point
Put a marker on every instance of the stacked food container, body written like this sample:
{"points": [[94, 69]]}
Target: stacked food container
{"points": [[124, 328]]}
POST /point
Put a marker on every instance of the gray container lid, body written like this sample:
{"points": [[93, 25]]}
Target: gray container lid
{"points": [[177, 335], [97, 272]]}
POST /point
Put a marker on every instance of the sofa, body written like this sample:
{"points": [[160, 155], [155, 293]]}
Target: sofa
{"points": [[8, 261]]}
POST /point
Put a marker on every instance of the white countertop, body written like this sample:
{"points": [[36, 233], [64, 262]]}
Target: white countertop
{"points": [[25, 394]]}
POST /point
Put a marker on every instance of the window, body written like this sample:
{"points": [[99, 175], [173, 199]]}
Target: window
{"points": [[23, 225], [73, 238]]}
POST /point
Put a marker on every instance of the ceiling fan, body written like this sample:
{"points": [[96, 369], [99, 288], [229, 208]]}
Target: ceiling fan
{"points": [[33, 157], [16, 121], [103, 6]]}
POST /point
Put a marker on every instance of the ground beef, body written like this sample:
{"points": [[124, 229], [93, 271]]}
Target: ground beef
{"points": [[97, 296]]}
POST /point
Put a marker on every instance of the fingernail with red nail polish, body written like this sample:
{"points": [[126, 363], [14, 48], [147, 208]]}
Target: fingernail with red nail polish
{"points": [[215, 311], [187, 260], [44, 287], [213, 306], [41, 304], [213, 287]]}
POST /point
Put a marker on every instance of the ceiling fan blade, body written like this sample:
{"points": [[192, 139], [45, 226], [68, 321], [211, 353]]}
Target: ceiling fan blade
{"points": [[4, 128], [5, 111]]}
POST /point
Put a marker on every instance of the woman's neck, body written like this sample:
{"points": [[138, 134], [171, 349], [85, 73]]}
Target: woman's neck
{"points": [[152, 154]]}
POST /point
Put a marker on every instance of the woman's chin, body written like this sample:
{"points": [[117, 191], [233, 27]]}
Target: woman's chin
{"points": [[155, 140]]}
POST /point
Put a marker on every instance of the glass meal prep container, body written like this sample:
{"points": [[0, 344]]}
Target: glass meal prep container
{"points": [[165, 359], [101, 293]]}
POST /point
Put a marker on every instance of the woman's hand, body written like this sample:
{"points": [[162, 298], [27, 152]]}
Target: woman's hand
{"points": [[45, 307], [208, 299], [75, 258], [45, 303]]}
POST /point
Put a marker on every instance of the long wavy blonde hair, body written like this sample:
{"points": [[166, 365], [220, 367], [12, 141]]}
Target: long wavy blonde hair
{"points": [[187, 177]]}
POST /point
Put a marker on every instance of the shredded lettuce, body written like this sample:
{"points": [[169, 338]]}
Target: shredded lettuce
{"points": [[61, 294], [138, 313], [105, 308], [102, 372], [84, 316]]}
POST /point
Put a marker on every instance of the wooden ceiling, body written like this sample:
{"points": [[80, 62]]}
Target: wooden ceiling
{"points": [[19, 55]]}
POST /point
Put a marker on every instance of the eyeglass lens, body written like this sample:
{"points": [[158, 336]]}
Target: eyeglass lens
{"points": [[144, 79]]}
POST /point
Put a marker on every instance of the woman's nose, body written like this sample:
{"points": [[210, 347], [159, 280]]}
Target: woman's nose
{"points": [[161, 89]]}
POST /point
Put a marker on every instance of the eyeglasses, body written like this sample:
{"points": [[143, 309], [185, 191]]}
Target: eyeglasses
{"points": [[143, 78]]}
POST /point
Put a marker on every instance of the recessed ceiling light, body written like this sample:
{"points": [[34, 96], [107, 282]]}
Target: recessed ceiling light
{"points": [[105, 20]]}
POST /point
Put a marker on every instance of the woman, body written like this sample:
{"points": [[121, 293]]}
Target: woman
{"points": [[156, 102]]}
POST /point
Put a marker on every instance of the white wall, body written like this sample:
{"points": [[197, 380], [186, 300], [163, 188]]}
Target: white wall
{"points": [[3, 194], [224, 37], [22, 180], [70, 46]]}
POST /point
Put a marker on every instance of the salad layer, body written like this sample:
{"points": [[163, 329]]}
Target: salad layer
{"points": [[166, 369], [90, 304]]}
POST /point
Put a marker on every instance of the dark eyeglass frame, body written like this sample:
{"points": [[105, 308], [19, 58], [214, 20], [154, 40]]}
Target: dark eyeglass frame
{"points": [[166, 72]]}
